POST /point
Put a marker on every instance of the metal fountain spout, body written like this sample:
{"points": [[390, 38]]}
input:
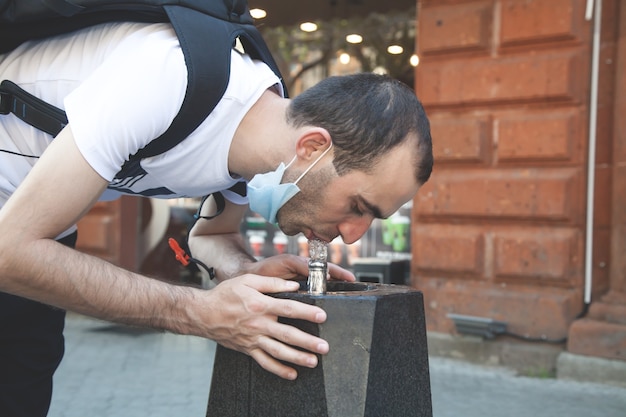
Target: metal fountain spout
{"points": [[318, 267]]}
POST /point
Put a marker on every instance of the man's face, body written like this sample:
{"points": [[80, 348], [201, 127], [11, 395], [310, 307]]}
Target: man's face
{"points": [[330, 205]]}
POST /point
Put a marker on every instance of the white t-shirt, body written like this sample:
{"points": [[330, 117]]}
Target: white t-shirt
{"points": [[121, 84]]}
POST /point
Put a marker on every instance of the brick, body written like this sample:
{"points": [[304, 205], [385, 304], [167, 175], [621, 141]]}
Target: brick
{"points": [[601, 262], [452, 28], [541, 255], [546, 137], [97, 230], [448, 249], [94, 233], [597, 338], [618, 235], [602, 194], [461, 138], [516, 193], [512, 79], [608, 312], [526, 21], [530, 311]]}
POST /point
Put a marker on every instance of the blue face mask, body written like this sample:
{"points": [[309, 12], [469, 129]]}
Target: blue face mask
{"points": [[267, 195]]}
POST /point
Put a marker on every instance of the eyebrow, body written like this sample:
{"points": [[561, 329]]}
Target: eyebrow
{"points": [[374, 209]]}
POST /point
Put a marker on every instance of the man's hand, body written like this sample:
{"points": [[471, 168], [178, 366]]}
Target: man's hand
{"points": [[292, 267], [243, 318]]}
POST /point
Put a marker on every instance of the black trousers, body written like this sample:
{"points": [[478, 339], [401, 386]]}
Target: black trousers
{"points": [[31, 348]]}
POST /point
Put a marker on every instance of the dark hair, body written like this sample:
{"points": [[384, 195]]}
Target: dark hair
{"points": [[366, 115]]}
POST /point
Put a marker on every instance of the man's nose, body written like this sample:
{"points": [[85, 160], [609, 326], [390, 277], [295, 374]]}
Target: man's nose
{"points": [[352, 230]]}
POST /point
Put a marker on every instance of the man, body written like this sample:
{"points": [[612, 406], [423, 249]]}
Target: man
{"points": [[324, 164]]}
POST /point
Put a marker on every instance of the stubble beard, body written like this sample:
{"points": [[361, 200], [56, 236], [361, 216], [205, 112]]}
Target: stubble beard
{"points": [[299, 213]]}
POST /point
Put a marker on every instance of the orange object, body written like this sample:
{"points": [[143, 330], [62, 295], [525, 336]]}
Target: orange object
{"points": [[181, 256]]}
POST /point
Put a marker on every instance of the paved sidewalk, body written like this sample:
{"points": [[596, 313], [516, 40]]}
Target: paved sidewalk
{"points": [[115, 371]]}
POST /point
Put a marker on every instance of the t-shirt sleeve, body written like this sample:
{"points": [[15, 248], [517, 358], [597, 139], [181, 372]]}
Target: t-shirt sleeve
{"points": [[129, 100]]}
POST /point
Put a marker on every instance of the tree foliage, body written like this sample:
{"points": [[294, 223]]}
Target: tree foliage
{"points": [[298, 52]]}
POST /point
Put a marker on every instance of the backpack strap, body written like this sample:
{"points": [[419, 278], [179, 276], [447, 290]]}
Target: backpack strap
{"points": [[207, 43]]}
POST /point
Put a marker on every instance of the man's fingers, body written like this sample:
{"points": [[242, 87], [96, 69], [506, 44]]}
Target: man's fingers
{"points": [[270, 285], [271, 355], [297, 310], [272, 365], [340, 274], [285, 308], [293, 336]]}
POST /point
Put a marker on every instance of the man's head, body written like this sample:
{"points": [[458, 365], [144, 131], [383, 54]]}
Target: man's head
{"points": [[366, 115], [382, 154]]}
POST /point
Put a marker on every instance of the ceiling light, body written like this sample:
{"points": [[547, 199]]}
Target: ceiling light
{"points": [[258, 13], [344, 58], [380, 70], [308, 27], [395, 49], [354, 38], [414, 60]]}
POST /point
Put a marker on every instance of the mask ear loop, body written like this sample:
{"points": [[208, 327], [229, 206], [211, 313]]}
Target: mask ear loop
{"points": [[291, 162], [312, 165]]}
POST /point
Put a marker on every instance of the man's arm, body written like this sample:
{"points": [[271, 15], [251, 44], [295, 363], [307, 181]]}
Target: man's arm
{"points": [[60, 189], [218, 241]]}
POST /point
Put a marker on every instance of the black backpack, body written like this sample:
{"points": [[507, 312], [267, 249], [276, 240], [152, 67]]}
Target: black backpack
{"points": [[206, 29]]}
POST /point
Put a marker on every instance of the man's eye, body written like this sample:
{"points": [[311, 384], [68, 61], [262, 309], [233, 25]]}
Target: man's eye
{"points": [[356, 210]]}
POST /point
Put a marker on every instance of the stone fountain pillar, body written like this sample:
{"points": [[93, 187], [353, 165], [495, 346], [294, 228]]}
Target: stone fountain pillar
{"points": [[377, 365]]}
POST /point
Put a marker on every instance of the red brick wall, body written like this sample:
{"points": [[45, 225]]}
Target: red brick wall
{"points": [[110, 231], [499, 229]]}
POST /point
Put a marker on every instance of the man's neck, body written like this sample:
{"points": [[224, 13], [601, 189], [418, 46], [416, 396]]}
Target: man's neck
{"points": [[262, 139]]}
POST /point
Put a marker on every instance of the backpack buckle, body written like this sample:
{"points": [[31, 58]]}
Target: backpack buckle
{"points": [[5, 101]]}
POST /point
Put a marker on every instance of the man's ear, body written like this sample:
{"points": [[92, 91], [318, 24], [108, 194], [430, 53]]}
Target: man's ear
{"points": [[312, 143]]}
